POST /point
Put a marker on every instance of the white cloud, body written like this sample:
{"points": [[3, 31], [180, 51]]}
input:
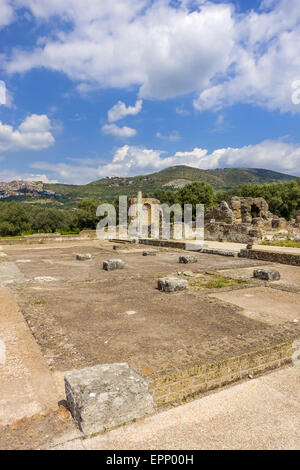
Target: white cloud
{"points": [[6, 13], [164, 50], [265, 61], [11, 175], [33, 133], [120, 132], [174, 136], [69, 174], [222, 56], [131, 160], [119, 110], [181, 111]]}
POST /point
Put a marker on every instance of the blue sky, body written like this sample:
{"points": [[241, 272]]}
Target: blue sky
{"points": [[133, 86]]}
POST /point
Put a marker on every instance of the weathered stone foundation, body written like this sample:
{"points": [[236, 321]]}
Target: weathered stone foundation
{"points": [[106, 395], [172, 284], [112, 264]]}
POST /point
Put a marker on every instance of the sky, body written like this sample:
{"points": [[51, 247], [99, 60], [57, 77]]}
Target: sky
{"points": [[90, 88]]}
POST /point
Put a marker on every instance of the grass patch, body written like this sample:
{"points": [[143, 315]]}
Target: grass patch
{"points": [[39, 302], [70, 232], [216, 281], [284, 243]]}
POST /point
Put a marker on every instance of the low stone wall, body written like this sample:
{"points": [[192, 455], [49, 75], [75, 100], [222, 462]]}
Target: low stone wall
{"points": [[216, 251], [42, 239], [272, 256], [175, 385], [164, 243]]}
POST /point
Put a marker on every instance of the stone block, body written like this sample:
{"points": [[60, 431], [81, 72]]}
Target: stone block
{"points": [[106, 395], [188, 259], [119, 247], [149, 253], [83, 256], [112, 264], [172, 284], [266, 274]]}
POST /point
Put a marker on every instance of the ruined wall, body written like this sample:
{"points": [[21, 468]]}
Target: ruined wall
{"points": [[271, 256], [150, 215], [245, 209], [243, 220], [189, 380], [235, 233], [222, 213]]}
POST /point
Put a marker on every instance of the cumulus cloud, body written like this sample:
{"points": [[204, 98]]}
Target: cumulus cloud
{"points": [[132, 160], [120, 110], [120, 132], [265, 61], [33, 133], [11, 175], [165, 50], [6, 13]]}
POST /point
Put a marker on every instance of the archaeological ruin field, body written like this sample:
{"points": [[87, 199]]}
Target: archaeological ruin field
{"points": [[225, 328]]}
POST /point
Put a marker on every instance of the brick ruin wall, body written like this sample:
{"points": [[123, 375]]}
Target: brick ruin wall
{"points": [[200, 378]]}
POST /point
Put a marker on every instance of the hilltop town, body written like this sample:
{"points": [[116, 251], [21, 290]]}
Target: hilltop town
{"points": [[23, 188]]}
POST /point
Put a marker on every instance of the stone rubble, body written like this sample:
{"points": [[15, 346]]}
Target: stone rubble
{"points": [[83, 256], [172, 284], [149, 253], [112, 264], [188, 259], [266, 274]]}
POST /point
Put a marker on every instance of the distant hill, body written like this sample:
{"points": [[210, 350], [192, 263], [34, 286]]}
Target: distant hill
{"points": [[169, 178]]}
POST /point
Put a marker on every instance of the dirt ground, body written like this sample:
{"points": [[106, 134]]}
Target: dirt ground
{"points": [[81, 315]]}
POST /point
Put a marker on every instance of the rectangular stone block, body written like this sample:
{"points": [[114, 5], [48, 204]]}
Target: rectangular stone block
{"points": [[106, 395], [266, 274], [112, 264], [172, 284], [83, 256], [187, 259]]}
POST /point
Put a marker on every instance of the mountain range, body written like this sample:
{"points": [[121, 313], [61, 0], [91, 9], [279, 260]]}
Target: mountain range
{"points": [[171, 178]]}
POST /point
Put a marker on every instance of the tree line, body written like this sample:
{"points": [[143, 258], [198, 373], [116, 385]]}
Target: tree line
{"points": [[17, 218], [283, 198], [20, 219]]}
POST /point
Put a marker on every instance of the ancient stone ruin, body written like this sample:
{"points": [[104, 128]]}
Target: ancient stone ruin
{"points": [[150, 213], [95, 400], [171, 284], [246, 220]]}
